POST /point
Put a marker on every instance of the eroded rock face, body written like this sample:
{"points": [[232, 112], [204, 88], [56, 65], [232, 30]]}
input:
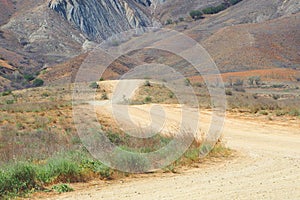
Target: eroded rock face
{"points": [[145, 2], [99, 19]]}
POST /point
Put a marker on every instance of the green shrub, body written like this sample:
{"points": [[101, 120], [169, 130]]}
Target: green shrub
{"points": [[254, 80], [171, 95], [278, 86], [104, 96], [233, 2], [263, 112], [28, 77], [10, 101], [94, 85], [20, 178], [187, 82], [62, 168], [181, 19], [133, 162], [215, 9], [192, 154], [275, 96], [62, 188], [279, 113], [196, 14], [228, 92], [45, 94], [17, 179], [6, 93], [115, 138], [97, 167], [169, 21], [294, 113], [148, 99], [147, 83], [38, 82]]}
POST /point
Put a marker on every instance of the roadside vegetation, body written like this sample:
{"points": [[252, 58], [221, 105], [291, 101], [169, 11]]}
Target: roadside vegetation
{"points": [[250, 95], [41, 151], [19, 178]]}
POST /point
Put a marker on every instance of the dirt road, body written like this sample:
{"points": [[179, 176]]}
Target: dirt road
{"points": [[268, 167]]}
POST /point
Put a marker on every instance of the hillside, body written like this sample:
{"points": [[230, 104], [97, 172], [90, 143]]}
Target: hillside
{"points": [[274, 43], [37, 34], [47, 39]]}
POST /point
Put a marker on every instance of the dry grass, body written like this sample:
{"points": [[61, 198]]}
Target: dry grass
{"points": [[154, 93], [38, 124]]}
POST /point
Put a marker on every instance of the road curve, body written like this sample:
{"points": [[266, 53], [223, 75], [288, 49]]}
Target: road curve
{"points": [[268, 167]]}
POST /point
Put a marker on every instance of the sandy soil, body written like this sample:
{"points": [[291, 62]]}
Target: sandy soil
{"points": [[267, 167]]}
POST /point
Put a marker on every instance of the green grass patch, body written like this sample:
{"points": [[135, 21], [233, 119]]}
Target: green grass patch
{"points": [[18, 179], [61, 188]]}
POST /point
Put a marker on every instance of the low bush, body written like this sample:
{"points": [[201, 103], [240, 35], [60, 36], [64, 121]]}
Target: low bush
{"points": [[104, 96], [169, 21], [275, 96], [62, 188], [59, 169], [20, 178], [148, 99], [239, 89], [215, 9], [10, 101], [294, 112], [196, 14], [94, 85], [17, 179], [29, 77], [6, 93], [228, 92], [278, 86], [147, 83], [233, 2], [181, 19], [38, 82], [263, 112], [187, 82], [133, 162], [279, 113]]}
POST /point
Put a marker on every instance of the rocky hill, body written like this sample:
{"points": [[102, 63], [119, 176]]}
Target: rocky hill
{"points": [[100, 19], [48, 38], [37, 34]]}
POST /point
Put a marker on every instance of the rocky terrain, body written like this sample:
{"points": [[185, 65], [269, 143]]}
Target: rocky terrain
{"points": [[37, 34]]}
